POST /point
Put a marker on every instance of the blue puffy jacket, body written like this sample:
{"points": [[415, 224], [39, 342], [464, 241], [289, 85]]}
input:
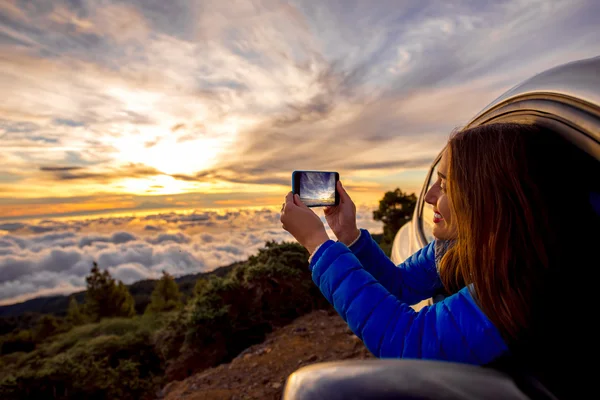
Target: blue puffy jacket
{"points": [[374, 296]]}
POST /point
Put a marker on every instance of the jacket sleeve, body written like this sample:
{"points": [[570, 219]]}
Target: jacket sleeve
{"points": [[454, 329], [414, 280]]}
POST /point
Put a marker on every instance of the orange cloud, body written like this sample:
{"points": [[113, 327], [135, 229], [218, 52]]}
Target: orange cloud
{"points": [[258, 201], [19, 210]]}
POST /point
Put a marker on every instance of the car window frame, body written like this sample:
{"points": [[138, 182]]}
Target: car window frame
{"points": [[421, 236]]}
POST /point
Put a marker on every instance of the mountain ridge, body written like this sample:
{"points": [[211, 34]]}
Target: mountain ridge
{"points": [[58, 304]]}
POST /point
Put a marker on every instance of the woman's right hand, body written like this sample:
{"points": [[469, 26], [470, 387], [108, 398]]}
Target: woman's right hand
{"points": [[342, 218]]}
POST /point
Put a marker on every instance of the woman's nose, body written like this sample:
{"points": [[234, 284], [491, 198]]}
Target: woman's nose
{"points": [[431, 196]]}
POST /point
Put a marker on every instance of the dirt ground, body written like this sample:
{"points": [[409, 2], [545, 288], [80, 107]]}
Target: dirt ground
{"points": [[260, 371]]}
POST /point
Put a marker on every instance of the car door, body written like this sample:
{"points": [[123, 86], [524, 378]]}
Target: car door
{"points": [[565, 99]]}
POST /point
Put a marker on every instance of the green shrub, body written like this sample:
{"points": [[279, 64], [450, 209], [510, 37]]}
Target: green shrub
{"points": [[169, 339], [74, 314], [47, 326], [114, 358], [165, 296], [106, 327], [83, 376], [272, 288], [210, 310], [20, 341]]}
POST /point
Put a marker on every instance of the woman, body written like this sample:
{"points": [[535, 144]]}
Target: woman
{"points": [[514, 224]]}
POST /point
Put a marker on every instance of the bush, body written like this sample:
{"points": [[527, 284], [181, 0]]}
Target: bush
{"points": [[170, 337], [21, 341], [84, 375], [115, 358], [231, 313], [47, 326], [74, 314], [165, 296]]}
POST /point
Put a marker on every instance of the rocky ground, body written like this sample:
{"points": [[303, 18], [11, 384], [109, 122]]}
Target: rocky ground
{"points": [[260, 371]]}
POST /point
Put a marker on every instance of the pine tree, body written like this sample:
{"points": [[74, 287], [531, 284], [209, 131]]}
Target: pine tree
{"points": [[74, 314], [395, 209], [46, 327], [123, 300], [165, 296], [105, 297]]}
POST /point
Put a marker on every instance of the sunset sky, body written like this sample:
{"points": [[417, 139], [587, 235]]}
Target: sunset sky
{"points": [[317, 188], [154, 106]]}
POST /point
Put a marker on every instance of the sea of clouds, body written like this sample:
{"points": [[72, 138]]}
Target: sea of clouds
{"points": [[54, 256]]}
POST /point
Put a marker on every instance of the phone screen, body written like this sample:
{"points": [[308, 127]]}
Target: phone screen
{"points": [[316, 188]]}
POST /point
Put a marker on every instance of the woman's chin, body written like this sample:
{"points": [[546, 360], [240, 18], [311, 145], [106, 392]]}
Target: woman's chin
{"points": [[440, 233]]}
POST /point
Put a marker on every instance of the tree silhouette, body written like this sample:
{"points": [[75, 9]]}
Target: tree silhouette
{"points": [[46, 327], [74, 314], [165, 296], [395, 209], [200, 286], [105, 297]]}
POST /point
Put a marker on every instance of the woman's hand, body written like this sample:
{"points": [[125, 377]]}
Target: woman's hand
{"points": [[342, 218], [302, 223]]}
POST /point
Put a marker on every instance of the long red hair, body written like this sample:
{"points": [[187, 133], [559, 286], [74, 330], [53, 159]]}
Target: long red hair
{"points": [[520, 198]]}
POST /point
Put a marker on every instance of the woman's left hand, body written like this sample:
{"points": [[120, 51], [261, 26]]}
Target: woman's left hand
{"points": [[302, 223]]}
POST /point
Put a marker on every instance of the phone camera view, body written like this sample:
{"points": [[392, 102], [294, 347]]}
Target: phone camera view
{"points": [[317, 188]]}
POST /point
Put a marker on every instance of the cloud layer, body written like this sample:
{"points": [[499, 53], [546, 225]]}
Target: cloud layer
{"points": [[51, 257], [110, 100]]}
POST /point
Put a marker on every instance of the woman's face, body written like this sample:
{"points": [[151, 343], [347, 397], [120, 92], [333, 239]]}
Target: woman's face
{"points": [[437, 197]]}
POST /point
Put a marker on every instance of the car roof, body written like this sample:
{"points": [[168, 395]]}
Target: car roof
{"points": [[566, 99], [578, 79]]}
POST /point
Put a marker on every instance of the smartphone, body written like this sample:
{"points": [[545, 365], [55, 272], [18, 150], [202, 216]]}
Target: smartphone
{"points": [[316, 188]]}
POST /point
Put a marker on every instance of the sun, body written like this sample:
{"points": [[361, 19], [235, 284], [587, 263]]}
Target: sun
{"points": [[168, 155], [179, 153]]}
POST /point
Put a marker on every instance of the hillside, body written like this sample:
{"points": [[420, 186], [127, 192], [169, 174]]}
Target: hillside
{"points": [[261, 370], [25, 315], [140, 291], [127, 356]]}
